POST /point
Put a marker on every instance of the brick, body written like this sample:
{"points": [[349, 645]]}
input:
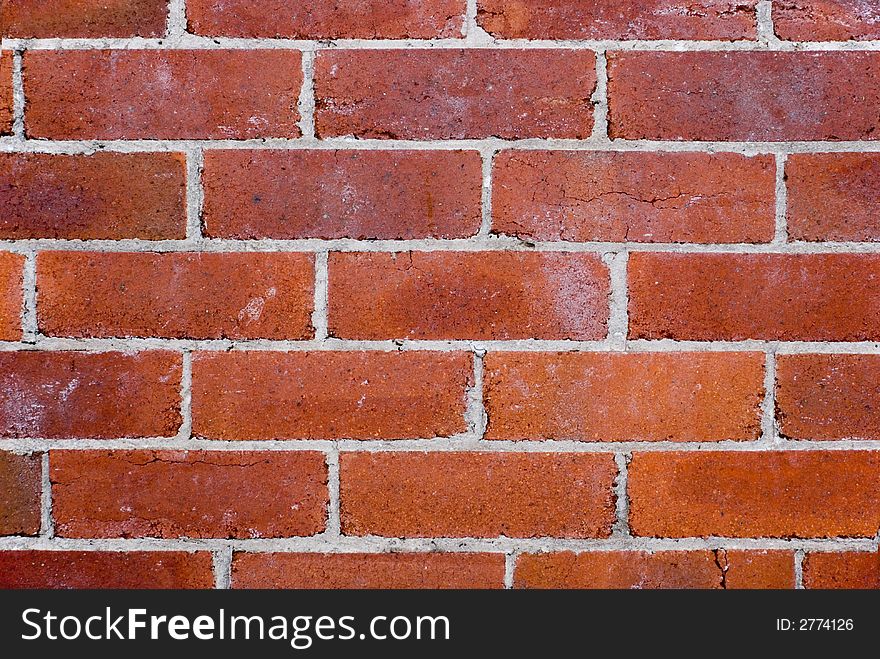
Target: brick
{"points": [[105, 196], [468, 295], [826, 20], [154, 94], [20, 493], [220, 494], [384, 195], [176, 295], [828, 396], [634, 196], [731, 297], [833, 196], [63, 395], [6, 93], [83, 18], [799, 494], [744, 96], [618, 19], [480, 495], [105, 569], [703, 569], [330, 395], [701, 397], [454, 94], [329, 19], [11, 295], [369, 571], [849, 570]]}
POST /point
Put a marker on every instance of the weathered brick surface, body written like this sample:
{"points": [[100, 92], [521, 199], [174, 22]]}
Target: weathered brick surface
{"points": [[744, 96], [5, 93], [634, 197], [477, 494], [107, 196], [730, 297], [326, 19], [800, 494], [454, 94], [850, 570], [11, 295], [462, 295], [89, 395], [616, 19], [105, 569], [637, 397], [384, 195], [706, 569], [20, 490], [330, 395], [826, 20], [83, 18], [370, 571], [154, 94], [190, 295], [219, 494]]}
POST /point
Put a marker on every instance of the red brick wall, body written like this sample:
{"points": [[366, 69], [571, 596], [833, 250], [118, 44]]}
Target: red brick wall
{"points": [[444, 294]]}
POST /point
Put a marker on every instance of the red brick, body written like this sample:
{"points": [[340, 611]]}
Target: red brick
{"points": [[399, 571], [83, 18], [634, 196], [454, 94], [801, 494], [700, 397], [106, 395], [20, 493], [330, 395], [468, 295], [329, 19], [785, 297], [618, 19], [198, 494], [100, 569], [154, 94], [11, 295], [106, 196], [826, 20], [664, 569], [833, 196], [744, 96], [479, 495], [5, 93], [176, 295], [828, 396], [849, 570], [383, 195]]}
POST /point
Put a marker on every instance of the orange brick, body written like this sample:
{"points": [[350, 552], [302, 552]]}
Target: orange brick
{"points": [[11, 295], [83, 18], [20, 488], [849, 570]]}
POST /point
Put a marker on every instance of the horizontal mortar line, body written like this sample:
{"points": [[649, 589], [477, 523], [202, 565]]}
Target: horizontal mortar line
{"points": [[134, 344], [191, 41], [375, 544], [491, 243], [461, 443], [12, 144]]}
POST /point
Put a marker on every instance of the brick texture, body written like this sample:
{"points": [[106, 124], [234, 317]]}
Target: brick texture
{"points": [[744, 96], [634, 197], [5, 93], [83, 18], [106, 196], [86, 395], [454, 94], [99, 569], [826, 20], [11, 295], [221, 494], [369, 571], [477, 495], [150, 94], [20, 490], [494, 295], [383, 195], [729, 569], [203, 296], [326, 19], [850, 570]]}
